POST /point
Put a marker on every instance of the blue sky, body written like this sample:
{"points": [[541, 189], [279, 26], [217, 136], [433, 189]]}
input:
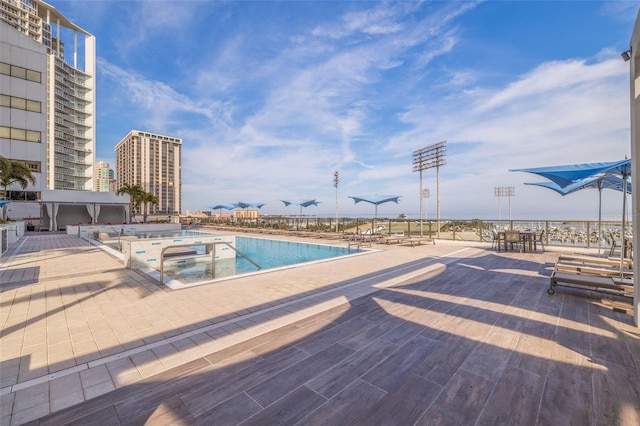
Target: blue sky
{"points": [[270, 98]]}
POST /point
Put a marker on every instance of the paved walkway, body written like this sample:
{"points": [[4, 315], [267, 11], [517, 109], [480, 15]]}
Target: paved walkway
{"points": [[444, 334], [76, 324]]}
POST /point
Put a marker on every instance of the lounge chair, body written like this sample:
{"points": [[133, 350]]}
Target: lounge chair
{"points": [[415, 241], [619, 286], [392, 239], [584, 259]]}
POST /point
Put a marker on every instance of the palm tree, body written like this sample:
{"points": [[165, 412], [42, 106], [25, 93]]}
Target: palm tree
{"points": [[14, 172], [134, 192], [145, 199]]}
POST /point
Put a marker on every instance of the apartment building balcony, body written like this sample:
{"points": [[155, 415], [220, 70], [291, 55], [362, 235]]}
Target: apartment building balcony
{"points": [[64, 101], [81, 122], [61, 80], [63, 150], [64, 139], [64, 134]]}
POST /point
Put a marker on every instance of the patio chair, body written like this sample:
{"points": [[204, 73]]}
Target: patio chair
{"points": [[614, 244], [495, 243], [512, 238], [539, 240]]}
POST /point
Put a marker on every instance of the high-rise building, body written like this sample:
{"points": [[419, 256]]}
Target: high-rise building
{"points": [[69, 103], [153, 162], [102, 177], [23, 107]]}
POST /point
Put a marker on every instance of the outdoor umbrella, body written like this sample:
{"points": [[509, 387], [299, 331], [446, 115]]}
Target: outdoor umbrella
{"points": [[3, 210], [599, 183], [219, 207], [305, 203], [244, 205], [223, 206], [376, 200], [570, 174]]}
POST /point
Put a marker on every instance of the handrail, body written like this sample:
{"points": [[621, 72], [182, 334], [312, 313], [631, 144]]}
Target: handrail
{"points": [[358, 240], [213, 255]]}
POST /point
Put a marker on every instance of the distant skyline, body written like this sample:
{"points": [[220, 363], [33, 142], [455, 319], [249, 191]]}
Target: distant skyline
{"points": [[270, 98]]}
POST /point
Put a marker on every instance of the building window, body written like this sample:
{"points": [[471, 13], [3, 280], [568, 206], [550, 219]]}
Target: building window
{"points": [[20, 103], [23, 195], [34, 76], [20, 134], [20, 72], [33, 136], [34, 106]]}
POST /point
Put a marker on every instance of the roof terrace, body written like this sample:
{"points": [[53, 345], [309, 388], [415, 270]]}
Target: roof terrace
{"points": [[452, 333]]}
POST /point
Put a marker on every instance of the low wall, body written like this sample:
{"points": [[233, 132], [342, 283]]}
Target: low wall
{"points": [[146, 252], [10, 233], [86, 231]]}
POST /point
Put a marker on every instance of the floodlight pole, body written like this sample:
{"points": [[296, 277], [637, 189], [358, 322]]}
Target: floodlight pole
{"points": [[428, 158], [511, 192], [497, 191], [336, 180], [504, 191], [425, 195]]}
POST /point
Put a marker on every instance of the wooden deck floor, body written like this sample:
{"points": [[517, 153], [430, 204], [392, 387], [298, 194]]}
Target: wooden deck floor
{"points": [[477, 342]]}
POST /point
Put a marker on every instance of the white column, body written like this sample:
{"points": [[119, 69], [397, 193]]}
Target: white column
{"points": [[634, 88]]}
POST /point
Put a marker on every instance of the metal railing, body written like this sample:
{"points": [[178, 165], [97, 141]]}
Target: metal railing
{"points": [[567, 233]]}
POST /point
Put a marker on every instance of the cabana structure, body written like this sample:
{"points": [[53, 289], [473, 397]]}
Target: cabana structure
{"points": [[57, 208]]}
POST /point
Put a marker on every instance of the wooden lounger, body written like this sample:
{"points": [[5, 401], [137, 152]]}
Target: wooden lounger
{"points": [[621, 286], [581, 268], [578, 258], [392, 239], [415, 241]]}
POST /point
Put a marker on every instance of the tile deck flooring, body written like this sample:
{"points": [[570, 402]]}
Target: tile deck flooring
{"points": [[433, 334]]}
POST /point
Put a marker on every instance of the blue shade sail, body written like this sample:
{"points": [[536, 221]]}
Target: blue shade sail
{"points": [[244, 205], [376, 199], [223, 206], [571, 178], [601, 182], [305, 203], [569, 174]]}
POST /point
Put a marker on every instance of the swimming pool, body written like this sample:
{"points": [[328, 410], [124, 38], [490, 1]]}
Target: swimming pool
{"points": [[267, 253]]}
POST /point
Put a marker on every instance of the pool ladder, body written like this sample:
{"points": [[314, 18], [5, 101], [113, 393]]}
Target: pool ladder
{"points": [[357, 240]]}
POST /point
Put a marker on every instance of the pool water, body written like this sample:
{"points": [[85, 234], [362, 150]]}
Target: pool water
{"points": [[267, 253]]}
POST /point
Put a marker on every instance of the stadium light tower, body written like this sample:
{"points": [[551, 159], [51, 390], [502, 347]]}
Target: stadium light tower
{"points": [[432, 156], [504, 191], [425, 195], [336, 180]]}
